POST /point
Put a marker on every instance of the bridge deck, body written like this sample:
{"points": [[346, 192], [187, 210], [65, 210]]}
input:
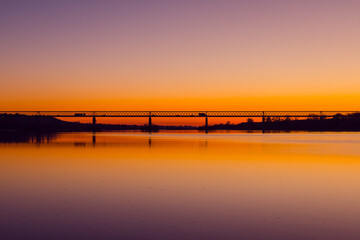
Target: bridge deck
{"points": [[182, 113]]}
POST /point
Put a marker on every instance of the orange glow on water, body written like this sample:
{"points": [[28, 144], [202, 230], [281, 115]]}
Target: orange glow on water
{"points": [[285, 185]]}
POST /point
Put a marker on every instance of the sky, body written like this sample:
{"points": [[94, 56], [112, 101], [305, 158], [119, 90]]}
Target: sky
{"points": [[180, 55]]}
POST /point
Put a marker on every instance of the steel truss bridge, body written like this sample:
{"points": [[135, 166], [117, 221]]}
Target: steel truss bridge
{"points": [[197, 114], [261, 114]]}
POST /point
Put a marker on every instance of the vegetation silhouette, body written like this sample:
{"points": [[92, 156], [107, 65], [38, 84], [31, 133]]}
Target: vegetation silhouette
{"points": [[350, 122]]}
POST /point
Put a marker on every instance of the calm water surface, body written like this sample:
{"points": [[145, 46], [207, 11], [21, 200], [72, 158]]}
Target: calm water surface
{"points": [[180, 186]]}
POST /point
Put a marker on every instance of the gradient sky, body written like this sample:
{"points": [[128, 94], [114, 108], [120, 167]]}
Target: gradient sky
{"points": [[180, 55]]}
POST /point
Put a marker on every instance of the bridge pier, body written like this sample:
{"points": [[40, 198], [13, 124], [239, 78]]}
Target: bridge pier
{"points": [[263, 117], [94, 123], [150, 123], [206, 124], [263, 122]]}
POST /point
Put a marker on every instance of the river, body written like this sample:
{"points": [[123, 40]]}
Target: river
{"points": [[180, 185]]}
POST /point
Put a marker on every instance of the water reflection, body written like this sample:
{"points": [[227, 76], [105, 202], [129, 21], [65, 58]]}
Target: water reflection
{"points": [[180, 186], [18, 137], [96, 139]]}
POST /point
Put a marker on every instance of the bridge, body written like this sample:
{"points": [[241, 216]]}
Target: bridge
{"points": [[194, 114]]}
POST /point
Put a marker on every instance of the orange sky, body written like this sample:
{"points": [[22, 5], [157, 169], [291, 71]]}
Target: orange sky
{"points": [[205, 55]]}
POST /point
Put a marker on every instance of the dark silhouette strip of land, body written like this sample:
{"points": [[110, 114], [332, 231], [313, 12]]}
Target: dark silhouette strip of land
{"points": [[18, 122]]}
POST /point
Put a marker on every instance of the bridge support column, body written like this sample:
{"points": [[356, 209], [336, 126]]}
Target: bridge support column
{"points": [[263, 122], [263, 117], [150, 123], [94, 123], [206, 124]]}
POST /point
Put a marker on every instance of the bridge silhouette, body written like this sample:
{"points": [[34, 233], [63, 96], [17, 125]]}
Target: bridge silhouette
{"points": [[183, 114]]}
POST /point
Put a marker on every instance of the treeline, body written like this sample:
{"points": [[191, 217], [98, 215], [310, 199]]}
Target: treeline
{"points": [[19, 122], [338, 122], [24, 123]]}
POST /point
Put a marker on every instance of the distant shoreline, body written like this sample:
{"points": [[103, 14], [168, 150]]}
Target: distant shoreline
{"points": [[23, 123]]}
